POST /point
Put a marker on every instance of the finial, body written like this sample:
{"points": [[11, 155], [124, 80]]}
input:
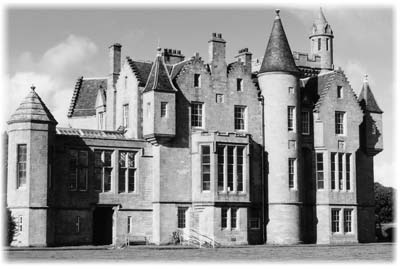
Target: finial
{"points": [[365, 78], [33, 87], [277, 13]]}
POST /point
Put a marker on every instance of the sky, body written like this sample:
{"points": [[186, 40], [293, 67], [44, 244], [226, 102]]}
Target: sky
{"points": [[51, 47]]}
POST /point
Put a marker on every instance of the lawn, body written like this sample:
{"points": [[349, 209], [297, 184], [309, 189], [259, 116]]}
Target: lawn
{"points": [[380, 252]]}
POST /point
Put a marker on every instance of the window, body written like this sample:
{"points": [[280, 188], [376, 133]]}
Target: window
{"points": [[320, 171], [127, 171], [333, 170], [305, 122], [240, 117], [239, 84], [339, 92], [347, 221], [219, 98], [224, 218], [148, 109], [197, 115], [78, 170], [228, 169], [129, 223], [327, 44], [348, 155], [205, 167], [78, 224], [100, 120], [340, 171], [234, 218], [239, 168], [319, 43], [164, 106], [21, 165], [291, 120], [197, 81], [125, 115], [291, 90], [102, 170], [291, 165], [19, 227], [182, 217], [221, 166], [335, 220], [339, 122]]}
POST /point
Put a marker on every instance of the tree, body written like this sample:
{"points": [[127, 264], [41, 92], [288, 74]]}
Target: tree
{"points": [[11, 227], [384, 197]]}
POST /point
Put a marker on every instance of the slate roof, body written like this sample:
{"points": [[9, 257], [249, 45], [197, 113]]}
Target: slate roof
{"points": [[278, 56], [367, 99], [316, 88], [140, 69], [83, 102], [159, 77], [88, 133], [32, 109]]}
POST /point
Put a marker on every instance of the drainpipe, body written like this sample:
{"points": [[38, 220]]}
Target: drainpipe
{"points": [[261, 99]]}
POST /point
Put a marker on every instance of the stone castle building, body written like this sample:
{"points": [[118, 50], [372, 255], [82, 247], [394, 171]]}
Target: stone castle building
{"points": [[278, 150]]}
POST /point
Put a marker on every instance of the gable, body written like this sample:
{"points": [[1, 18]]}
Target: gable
{"points": [[83, 102]]}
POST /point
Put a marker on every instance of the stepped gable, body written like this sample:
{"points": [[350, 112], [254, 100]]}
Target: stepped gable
{"points": [[159, 77], [141, 70], [83, 100], [278, 56], [367, 99], [32, 109]]}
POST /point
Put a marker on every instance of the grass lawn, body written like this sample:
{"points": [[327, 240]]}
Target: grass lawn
{"points": [[380, 252]]}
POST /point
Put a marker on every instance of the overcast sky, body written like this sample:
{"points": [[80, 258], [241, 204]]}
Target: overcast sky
{"points": [[52, 48]]}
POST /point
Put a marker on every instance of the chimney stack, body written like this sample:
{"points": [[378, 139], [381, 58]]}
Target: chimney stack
{"points": [[172, 56], [115, 59], [216, 53], [245, 57]]}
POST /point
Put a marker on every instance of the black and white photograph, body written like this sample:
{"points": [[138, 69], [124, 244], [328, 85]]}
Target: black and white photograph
{"points": [[216, 132]]}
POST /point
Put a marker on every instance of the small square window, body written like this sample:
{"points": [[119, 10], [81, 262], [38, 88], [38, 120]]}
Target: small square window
{"points": [[339, 92], [291, 90], [197, 81], [219, 98], [239, 85]]}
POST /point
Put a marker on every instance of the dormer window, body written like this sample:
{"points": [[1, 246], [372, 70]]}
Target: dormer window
{"points": [[197, 81], [239, 85]]}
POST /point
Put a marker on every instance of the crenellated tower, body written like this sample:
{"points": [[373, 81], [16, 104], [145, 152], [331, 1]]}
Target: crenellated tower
{"points": [[321, 41], [279, 83]]}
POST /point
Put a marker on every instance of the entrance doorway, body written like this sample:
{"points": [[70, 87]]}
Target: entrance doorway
{"points": [[102, 225]]}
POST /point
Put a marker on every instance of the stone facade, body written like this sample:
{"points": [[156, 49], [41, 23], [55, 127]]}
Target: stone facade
{"points": [[211, 152]]}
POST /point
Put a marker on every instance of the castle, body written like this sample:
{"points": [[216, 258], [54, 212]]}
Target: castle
{"points": [[277, 151]]}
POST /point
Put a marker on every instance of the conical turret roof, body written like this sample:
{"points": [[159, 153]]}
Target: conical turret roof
{"points": [[367, 99], [159, 79], [32, 109], [278, 56], [321, 25]]}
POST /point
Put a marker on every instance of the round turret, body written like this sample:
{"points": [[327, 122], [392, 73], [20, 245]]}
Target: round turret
{"points": [[279, 83], [321, 41]]}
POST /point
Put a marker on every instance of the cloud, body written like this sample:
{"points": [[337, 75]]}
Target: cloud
{"points": [[53, 74], [355, 73], [385, 174]]}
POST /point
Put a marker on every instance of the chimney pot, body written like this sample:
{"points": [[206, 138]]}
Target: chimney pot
{"points": [[214, 34], [220, 35], [174, 51]]}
